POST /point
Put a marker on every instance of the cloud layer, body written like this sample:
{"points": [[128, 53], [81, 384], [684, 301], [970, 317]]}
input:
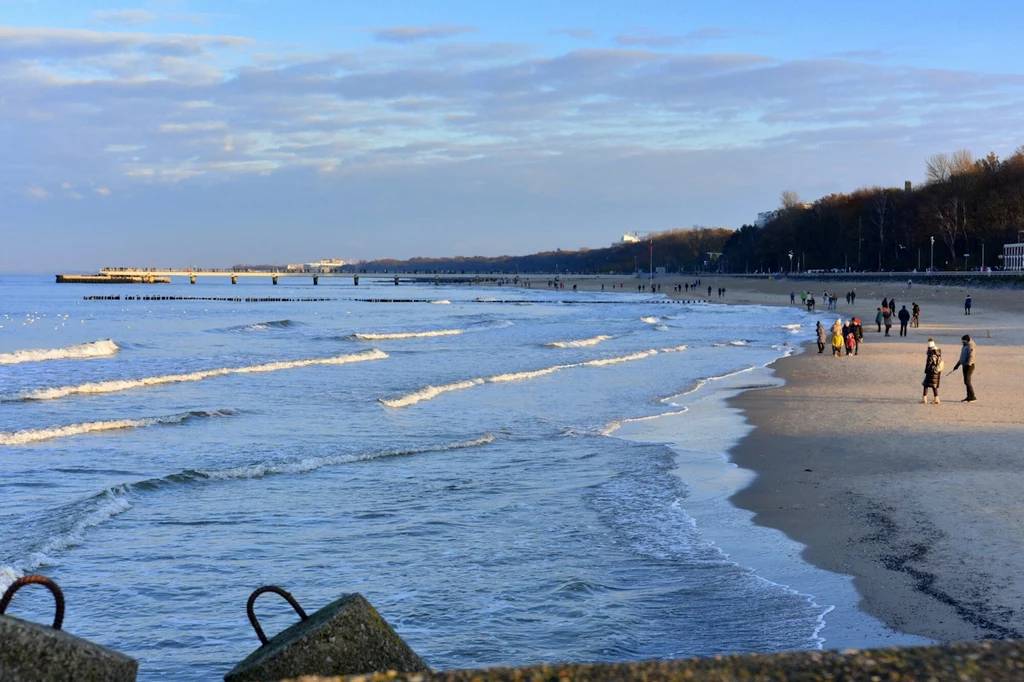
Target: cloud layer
{"points": [[101, 116]]}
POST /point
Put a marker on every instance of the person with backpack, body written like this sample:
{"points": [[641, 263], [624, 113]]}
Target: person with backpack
{"points": [[887, 319], [933, 366], [915, 315]]}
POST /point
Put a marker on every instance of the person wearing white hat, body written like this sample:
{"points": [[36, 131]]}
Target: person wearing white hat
{"points": [[932, 372]]}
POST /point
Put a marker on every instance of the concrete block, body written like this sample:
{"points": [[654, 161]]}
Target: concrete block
{"points": [[345, 637]]}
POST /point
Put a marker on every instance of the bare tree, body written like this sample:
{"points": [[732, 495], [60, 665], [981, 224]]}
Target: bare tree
{"points": [[937, 168], [951, 217], [789, 199], [941, 167], [879, 205]]}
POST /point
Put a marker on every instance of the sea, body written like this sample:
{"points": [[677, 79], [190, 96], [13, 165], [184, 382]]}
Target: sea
{"points": [[509, 475]]}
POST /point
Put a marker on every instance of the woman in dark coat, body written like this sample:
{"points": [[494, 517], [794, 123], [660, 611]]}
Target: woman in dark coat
{"points": [[932, 372]]}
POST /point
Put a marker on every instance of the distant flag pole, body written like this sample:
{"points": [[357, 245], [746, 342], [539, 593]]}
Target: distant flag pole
{"points": [[651, 249]]}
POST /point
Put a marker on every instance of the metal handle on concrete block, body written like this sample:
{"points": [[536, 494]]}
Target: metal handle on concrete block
{"points": [[58, 596], [252, 613]]}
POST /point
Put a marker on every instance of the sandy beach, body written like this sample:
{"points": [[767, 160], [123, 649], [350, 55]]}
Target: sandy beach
{"points": [[921, 504]]}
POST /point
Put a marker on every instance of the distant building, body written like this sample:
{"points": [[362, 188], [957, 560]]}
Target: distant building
{"points": [[296, 267], [1013, 256], [628, 238], [765, 218], [326, 265]]}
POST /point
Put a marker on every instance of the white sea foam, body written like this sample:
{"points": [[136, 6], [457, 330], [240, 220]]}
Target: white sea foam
{"points": [[700, 383], [126, 384], [430, 392], [110, 503], [793, 327], [650, 320], [442, 301], [433, 391], [407, 335], [36, 435], [581, 343], [93, 349], [614, 426]]}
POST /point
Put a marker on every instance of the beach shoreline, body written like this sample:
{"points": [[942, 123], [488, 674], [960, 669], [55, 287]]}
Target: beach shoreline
{"points": [[918, 503]]}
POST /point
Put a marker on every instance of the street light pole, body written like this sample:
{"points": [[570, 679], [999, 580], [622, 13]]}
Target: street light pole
{"points": [[652, 258], [931, 268], [791, 262]]}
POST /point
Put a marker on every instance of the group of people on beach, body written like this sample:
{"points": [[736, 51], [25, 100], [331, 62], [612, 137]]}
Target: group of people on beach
{"points": [[850, 335]]}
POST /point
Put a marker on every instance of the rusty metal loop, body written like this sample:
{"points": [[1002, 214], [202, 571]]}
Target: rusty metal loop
{"points": [[252, 613], [58, 596]]}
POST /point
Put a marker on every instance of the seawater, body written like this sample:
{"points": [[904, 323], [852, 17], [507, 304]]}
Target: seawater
{"points": [[458, 464]]}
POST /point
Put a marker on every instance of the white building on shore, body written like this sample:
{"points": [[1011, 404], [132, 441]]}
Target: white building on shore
{"points": [[1013, 257]]}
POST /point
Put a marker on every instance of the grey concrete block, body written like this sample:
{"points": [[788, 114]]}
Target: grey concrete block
{"points": [[29, 651], [345, 637]]}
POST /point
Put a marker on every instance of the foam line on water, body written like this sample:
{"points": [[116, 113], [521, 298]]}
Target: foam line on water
{"points": [[126, 384], [700, 383], [92, 349], [14, 438], [431, 392], [407, 335], [614, 426], [580, 343]]}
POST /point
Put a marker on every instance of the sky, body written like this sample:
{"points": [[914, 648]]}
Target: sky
{"points": [[208, 133]]}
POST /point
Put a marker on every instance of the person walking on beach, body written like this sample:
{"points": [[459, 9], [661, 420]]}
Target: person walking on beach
{"points": [[792, 298], [821, 337], [904, 320], [887, 319], [915, 313], [967, 362], [932, 372], [878, 318], [967, 305]]}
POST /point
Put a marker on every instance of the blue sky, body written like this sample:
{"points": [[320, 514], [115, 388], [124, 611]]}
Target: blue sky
{"points": [[174, 133]]}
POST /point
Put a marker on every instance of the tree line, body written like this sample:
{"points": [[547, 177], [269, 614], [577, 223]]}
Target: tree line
{"points": [[958, 220]]}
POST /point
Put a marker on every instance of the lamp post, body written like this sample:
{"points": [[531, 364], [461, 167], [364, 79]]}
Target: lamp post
{"points": [[791, 262], [931, 268]]}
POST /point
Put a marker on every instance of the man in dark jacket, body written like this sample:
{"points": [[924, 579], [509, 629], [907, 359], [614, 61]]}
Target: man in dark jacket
{"points": [[967, 362], [904, 319]]}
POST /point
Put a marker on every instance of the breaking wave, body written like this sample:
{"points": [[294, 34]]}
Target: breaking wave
{"points": [[37, 435], [260, 326], [442, 301], [614, 426], [700, 383], [581, 343], [126, 384], [93, 349], [650, 319], [431, 392], [65, 526], [407, 335]]}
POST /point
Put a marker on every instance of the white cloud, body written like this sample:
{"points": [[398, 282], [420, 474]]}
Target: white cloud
{"points": [[35, 192], [102, 191], [196, 127], [125, 17], [412, 34]]}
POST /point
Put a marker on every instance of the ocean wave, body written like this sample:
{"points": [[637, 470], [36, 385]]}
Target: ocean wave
{"points": [[93, 349], [407, 335], [700, 383], [261, 326], [66, 526], [731, 343], [126, 384], [614, 426], [581, 343], [442, 301], [793, 327], [431, 392], [650, 319], [36, 435]]}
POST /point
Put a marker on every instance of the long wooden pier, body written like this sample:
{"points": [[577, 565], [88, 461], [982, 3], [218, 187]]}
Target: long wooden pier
{"points": [[153, 275]]}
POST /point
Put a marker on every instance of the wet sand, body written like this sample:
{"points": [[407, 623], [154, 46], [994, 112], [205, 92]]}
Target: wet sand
{"points": [[922, 504]]}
